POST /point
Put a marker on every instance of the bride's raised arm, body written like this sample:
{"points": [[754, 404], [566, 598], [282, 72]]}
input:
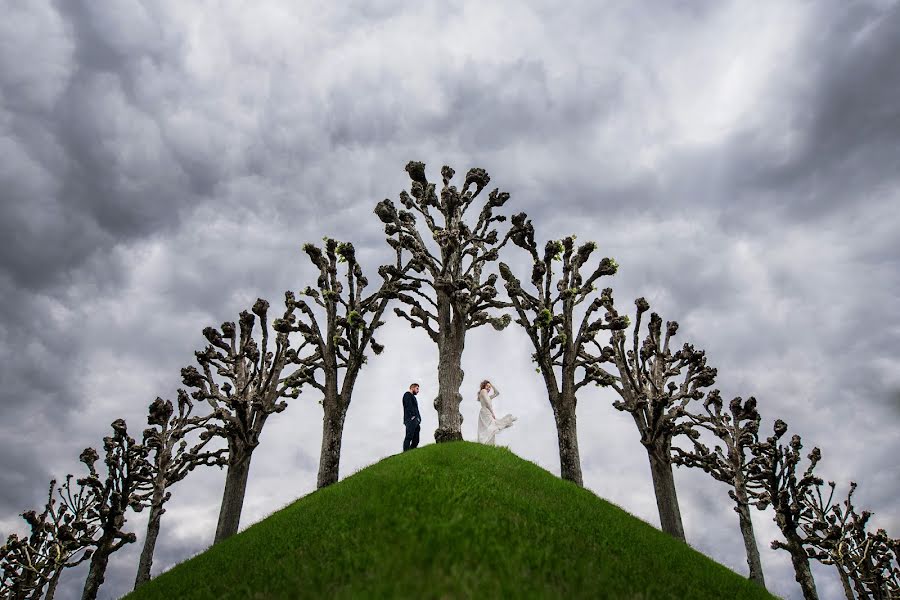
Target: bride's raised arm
{"points": [[496, 391]]}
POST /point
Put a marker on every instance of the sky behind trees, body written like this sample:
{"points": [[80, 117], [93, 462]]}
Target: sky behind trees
{"points": [[163, 163]]}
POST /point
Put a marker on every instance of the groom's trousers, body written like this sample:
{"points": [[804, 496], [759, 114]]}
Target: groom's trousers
{"points": [[412, 435]]}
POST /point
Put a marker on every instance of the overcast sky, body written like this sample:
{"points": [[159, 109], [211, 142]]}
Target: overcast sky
{"points": [[161, 164]]}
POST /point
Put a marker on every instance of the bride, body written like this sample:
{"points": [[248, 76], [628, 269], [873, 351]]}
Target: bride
{"points": [[488, 423]]}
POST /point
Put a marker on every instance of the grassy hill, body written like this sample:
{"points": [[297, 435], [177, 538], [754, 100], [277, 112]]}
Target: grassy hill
{"points": [[456, 520]]}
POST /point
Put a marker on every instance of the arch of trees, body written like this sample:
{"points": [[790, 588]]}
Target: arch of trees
{"points": [[446, 286]]}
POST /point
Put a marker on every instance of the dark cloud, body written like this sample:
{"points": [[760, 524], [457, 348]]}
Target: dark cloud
{"points": [[844, 120], [162, 165]]}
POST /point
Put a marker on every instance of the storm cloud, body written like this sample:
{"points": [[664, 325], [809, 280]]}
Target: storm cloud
{"points": [[161, 164]]}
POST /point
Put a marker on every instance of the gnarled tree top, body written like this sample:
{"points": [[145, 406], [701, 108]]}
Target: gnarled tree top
{"points": [[454, 272]]}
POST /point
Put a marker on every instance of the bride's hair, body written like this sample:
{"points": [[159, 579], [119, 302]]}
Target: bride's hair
{"points": [[483, 385]]}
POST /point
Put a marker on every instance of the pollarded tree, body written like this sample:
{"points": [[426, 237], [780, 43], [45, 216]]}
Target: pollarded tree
{"points": [[829, 531], [738, 429], [24, 564], [127, 477], [253, 388], [338, 339], [452, 296], [10, 569], [561, 342], [885, 557], [75, 521], [655, 386], [12, 586], [835, 534], [60, 536], [172, 459], [774, 478], [890, 559], [876, 561], [26, 561]]}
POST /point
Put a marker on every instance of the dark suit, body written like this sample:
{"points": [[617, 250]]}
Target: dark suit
{"points": [[412, 419]]}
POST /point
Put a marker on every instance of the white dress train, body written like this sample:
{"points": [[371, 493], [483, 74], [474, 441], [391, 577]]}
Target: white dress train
{"points": [[488, 426]]}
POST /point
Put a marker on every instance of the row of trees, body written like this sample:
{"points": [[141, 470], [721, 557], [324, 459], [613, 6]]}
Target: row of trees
{"points": [[320, 342], [245, 374], [662, 388]]}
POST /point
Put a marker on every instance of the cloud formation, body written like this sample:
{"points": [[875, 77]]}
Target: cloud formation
{"points": [[162, 163]]}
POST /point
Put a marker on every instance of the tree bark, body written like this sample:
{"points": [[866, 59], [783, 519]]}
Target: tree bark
{"points": [[233, 497], [870, 582], [666, 497], [450, 378], [861, 590], [845, 581], [746, 524], [567, 434], [20, 591], [17, 591], [802, 572], [97, 571], [146, 560], [332, 435], [51, 587], [36, 591]]}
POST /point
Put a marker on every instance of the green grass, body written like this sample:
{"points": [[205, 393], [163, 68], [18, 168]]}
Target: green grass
{"points": [[456, 520]]}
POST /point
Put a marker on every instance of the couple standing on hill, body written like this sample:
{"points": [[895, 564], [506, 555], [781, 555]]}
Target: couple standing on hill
{"points": [[488, 423]]}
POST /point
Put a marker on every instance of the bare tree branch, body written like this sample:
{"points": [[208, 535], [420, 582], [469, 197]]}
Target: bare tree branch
{"points": [[452, 282], [344, 333], [655, 388], [774, 479], [128, 474], [549, 320], [738, 430], [243, 383]]}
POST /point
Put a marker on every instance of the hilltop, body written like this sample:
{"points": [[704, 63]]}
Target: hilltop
{"points": [[451, 521]]}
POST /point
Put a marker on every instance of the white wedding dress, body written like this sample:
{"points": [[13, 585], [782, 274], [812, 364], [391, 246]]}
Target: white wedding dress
{"points": [[488, 426]]}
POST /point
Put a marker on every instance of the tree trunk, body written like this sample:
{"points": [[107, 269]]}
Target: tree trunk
{"points": [[332, 434], [18, 590], [746, 524], [567, 434], [861, 590], [872, 583], [36, 590], [54, 581], [27, 582], [97, 571], [233, 497], [450, 378], [802, 572], [156, 513], [666, 497], [845, 581]]}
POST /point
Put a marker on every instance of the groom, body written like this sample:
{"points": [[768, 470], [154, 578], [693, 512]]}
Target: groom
{"points": [[411, 418]]}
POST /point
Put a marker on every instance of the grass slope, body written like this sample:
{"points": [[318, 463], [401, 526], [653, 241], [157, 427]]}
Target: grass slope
{"points": [[456, 520]]}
